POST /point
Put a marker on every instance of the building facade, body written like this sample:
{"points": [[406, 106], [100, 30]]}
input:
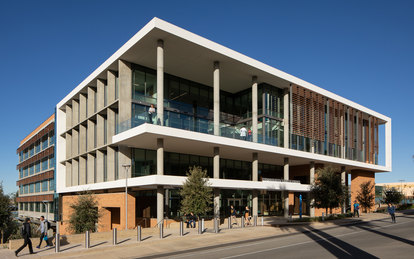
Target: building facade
{"points": [[260, 133], [36, 169]]}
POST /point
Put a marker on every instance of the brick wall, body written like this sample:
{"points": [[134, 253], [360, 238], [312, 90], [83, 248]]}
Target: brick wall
{"points": [[106, 201], [357, 178]]}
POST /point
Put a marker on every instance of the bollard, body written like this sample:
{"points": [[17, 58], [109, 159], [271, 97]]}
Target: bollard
{"points": [[262, 221], [139, 237], [323, 216], [200, 230], [87, 240], [181, 228], [242, 222], [215, 225], [161, 226], [255, 220], [202, 225], [114, 236], [229, 222], [57, 241]]}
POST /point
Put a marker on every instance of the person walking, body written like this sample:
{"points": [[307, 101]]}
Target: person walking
{"points": [[26, 233], [151, 112], [391, 211], [44, 225], [356, 208], [233, 214], [247, 216]]}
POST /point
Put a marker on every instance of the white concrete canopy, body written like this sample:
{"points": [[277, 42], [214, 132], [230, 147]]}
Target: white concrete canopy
{"points": [[189, 142]]}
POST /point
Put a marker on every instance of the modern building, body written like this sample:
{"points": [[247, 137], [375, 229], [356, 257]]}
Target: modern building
{"points": [[406, 188], [36, 169], [258, 131]]}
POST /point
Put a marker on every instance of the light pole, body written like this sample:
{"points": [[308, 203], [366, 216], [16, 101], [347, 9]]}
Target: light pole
{"points": [[126, 167], [47, 209], [401, 188]]}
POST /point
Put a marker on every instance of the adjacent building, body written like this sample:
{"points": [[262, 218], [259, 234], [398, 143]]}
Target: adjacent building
{"points": [[260, 132], [36, 169]]}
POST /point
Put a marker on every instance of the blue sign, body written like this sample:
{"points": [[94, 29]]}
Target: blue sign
{"points": [[300, 206]]}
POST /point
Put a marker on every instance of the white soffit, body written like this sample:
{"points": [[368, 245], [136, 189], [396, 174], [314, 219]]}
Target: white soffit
{"points": [[196, 39]]}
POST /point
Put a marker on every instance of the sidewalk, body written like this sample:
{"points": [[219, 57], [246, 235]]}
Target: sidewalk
{"points": [[172, 242]]}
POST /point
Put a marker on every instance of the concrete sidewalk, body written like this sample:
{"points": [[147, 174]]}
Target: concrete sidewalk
{"points": [[151, 245]]}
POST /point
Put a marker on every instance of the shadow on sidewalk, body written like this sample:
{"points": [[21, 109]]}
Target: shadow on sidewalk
{"points": [[335, 246], [98, 244], [407, 241], [68, 248]]}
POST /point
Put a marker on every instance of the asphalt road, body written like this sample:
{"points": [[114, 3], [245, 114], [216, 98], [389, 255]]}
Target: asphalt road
{"points": [[374, 239]]}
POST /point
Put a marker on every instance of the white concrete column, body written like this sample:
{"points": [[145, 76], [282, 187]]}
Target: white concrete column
{"points": [[160, 82], [254, 108], [312, 181], [343, 182], [216, 175], [125, 90], [255, 177], [160, 203], [286, 193], [160, 156], [217, 202], [388, 148], [216, 96], [286, 127]]}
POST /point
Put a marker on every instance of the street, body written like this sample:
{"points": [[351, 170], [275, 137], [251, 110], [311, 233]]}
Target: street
{"points": [[375, 239]]}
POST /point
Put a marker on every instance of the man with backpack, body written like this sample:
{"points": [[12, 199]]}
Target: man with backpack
{"points": [[356, 208], [44, 226], [26, 233]]}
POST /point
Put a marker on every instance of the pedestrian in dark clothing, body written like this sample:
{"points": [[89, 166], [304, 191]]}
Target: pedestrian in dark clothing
{"points": [[191, 220], [391, 211], [26, 233]]}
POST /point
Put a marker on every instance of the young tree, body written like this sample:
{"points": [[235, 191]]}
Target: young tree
{"points": [[328, 191], [196, 193], [366, 196], [5, 213], [392, 195], [85, 213]]}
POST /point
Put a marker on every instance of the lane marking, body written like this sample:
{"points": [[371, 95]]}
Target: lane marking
{"points": [[310, 241], [272, 240]]}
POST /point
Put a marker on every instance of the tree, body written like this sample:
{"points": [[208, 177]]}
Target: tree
{"points": [[392, 195], [328, 191], [85, 213], [5, 213], [196, 194], [365, 195]]}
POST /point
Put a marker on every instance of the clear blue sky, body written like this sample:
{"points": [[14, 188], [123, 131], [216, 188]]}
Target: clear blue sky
{"points": [[361, 50]]}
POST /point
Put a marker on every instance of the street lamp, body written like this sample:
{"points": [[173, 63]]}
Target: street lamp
{"points": [[47, 209], [401, 188], [126, 167]]}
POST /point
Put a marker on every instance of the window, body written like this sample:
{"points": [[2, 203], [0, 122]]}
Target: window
{"points": [[37, 187], [105, 167], [31, 151], [43, 207], [31, 188], [26, 189], [44, 164], [116, 165], [52, 137], [31, 169], [44, 141], [37, 147], [21, 172], [51, 207], [31, 206], [37, 206], [37, 167], [51, 185], [45, 185], [52, 161]]}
